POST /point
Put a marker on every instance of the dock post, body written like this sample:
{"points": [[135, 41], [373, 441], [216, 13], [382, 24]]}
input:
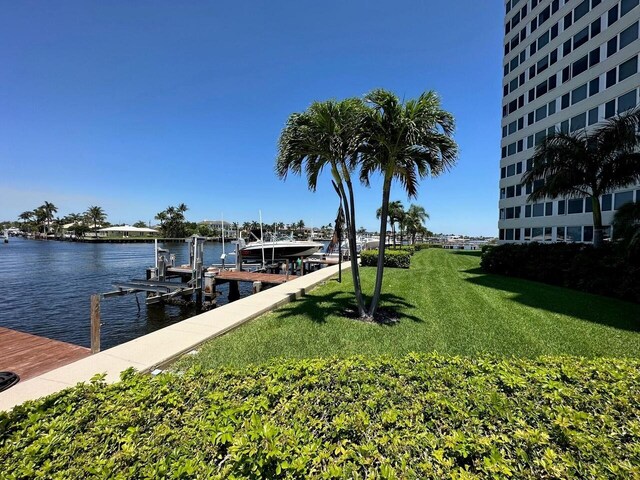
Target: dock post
{"points": [[287, 269], [234, 290], [95, 323]]}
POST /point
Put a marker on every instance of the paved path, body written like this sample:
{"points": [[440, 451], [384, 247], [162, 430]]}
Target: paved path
{"points": [[162, 346]]}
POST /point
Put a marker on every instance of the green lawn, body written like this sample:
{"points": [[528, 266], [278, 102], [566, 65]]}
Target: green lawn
{"points": [[444, 303]]}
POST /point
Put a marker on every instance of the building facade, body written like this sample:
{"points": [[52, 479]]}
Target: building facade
{"points": [[568, 64]]}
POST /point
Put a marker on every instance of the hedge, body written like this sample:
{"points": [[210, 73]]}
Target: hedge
{"points": [[392, 258], [424, 246], [606, 270], [417, 417]]}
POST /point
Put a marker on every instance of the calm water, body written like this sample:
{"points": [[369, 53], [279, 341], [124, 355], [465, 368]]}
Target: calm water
{"points": [[45, 288]]}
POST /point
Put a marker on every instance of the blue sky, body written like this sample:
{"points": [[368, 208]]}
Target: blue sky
{"points": [[135, 106]]}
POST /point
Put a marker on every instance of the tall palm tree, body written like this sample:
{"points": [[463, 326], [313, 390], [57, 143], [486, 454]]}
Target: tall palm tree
{"points": [[414, 221], [588, 163], [404, 141], [48, 210], [95, 215], [327, 135]]}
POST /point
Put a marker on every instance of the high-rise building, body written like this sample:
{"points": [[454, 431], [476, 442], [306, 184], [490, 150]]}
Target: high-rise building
{"points": [[568, 64]]}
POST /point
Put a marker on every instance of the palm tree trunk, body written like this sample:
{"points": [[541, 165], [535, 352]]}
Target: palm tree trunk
{"points": [[598, 232], [353, 253], [386, 191]]}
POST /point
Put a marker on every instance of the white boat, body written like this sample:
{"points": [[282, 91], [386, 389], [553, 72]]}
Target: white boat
{"points": [[278, 249]]}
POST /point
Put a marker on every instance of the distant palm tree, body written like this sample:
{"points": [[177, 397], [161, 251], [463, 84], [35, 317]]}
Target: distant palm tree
{"points": [[588, 163], [414, 221], [48, 210], [404, 141], [327, 135], [396, 215], [75, 219], [95, 215], [26, 217]]}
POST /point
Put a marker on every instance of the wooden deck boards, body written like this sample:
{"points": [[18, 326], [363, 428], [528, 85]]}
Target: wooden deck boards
{"points": [[271, 278], [30, 355]]}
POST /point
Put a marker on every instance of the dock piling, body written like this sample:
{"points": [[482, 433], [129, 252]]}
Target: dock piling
{"points": [[95, 323]]}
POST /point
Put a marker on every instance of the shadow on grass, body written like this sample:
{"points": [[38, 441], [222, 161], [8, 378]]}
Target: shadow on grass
{"points": [[342, 304], [584, 306]]}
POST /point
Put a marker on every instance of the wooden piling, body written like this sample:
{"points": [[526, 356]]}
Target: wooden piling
{"points": [[234, 290], [95, 323]]}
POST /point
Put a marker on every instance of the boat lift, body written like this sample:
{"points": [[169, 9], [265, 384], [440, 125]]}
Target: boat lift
{"points": [[160, 285]]}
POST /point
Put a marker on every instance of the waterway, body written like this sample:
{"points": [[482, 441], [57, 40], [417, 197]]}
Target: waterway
{"points": [[46, 286]]}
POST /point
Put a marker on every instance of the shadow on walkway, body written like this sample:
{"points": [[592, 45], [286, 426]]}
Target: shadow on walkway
{"points": [[585, 306], [318, 307]]}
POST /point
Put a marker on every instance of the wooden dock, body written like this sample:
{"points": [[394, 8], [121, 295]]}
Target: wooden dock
{"points": [[242, 276], [30, 355]]}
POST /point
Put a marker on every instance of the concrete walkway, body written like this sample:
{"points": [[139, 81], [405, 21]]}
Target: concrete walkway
{"points": [[157, 348]]}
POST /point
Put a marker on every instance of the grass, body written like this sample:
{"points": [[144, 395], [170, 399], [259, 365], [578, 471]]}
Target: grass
{"points": [[444, 303]]}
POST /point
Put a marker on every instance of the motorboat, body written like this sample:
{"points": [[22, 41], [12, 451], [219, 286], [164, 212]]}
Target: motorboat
{"points": [[278, 248]]}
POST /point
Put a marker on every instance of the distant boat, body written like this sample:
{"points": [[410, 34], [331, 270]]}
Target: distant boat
{"points": [[278, 249]]}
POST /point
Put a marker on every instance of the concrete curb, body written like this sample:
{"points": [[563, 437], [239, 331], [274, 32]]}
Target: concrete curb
{"points": [[163, 346]]}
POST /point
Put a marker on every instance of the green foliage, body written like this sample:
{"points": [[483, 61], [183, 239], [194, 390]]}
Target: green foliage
{"points": [[419, 416], [605, 270], [392, 258], [424, 246]]}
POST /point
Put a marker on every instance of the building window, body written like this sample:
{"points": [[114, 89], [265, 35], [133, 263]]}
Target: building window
{"points": [[610, 109], [627, 101], [581, 38], [593, 116], [560, 234], [606, 202], [612, 46], [611, 77], [626, 6], [629, 35], [628, 68], [579, 94], [588, 234], [548, 234], [581, 10], [612, 16], [527, 211], [594, 86], [622, 198], [575, 205], [527, 234], [517, 233], [548, 209], [561, 207], [509, 234], [574, 234], [501, 234], [578, 122], [537, 234], [538, 209]]}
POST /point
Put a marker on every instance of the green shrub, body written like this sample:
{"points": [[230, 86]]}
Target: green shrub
{"points": [[417, 417], [605, 270], [424, 246], [410, 249], [392, 258]]}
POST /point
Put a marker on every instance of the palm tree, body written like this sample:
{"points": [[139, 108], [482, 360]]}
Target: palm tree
{"points": [[414, 221], [48, 209], [404, 141], [588, 163], [396, 215], [95, 215], [75, 219], [327, 135], [26, 217], [301, 225]]}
